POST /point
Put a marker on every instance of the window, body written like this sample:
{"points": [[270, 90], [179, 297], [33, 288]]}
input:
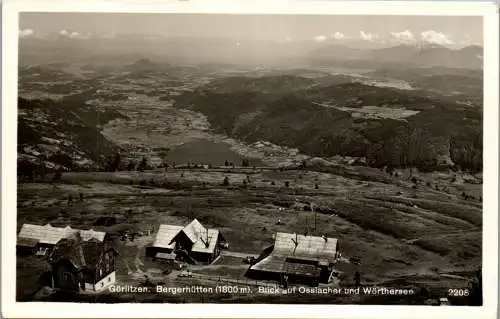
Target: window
{"points": [[109, 278], [66, 276]]}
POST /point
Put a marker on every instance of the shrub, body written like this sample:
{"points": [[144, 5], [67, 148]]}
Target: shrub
{"points": [[226, 181]]}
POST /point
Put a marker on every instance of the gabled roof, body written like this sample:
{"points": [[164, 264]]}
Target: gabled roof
{"points": [[89, 234], [165, 235], [271, 264], [308, 247], [206, 246], [194, 231], [51, 235]]}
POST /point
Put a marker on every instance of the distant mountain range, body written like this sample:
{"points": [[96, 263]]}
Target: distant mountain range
{"points": [[409, 55], [255, 52]]}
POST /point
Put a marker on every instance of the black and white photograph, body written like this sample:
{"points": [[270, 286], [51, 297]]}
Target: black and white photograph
{"points": [[216, 158]]}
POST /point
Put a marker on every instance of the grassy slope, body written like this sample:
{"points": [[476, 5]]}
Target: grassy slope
{"points": [[71, 118], [393, 238]]}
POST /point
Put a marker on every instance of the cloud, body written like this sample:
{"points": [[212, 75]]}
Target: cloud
{"points": [[403, 36], [435, 37], [25, 33], [77, 35], [74, 35], [320, 38], [368, 36], [338, 36]]}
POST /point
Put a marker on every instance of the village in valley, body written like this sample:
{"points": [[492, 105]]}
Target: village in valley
{"points": [[164, 176]]}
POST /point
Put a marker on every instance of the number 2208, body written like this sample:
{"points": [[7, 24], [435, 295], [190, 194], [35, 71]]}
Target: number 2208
{"points": [[458, 292]]}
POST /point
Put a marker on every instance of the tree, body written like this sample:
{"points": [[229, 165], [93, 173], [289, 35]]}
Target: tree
{"points": [[416, 148], [142, 165], [316, 186], [226, 181], [26, 169], [287, 183], [57, 175], [114, 162], [226, 163], [245, 163], [389, 169], [131, 166], [244, 183], [164, 155], [357, 279]]}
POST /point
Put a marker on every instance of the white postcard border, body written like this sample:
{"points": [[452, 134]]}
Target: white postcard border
{"points": [[9, 148]]}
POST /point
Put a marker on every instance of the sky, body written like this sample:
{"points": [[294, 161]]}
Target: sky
{"points": [[443, 30]]}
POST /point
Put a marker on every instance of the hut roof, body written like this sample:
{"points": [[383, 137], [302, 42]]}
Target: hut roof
{"points": [[51, 235], [89, 234], [307, 248], [271, 263], [194, 230], [204, 240], [206, 246], [165, 235]]}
